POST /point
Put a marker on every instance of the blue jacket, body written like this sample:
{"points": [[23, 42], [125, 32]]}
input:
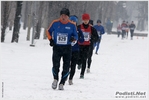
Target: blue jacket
{"points": [[62, 32], [100, 30], [108, 24], [80, 39]]}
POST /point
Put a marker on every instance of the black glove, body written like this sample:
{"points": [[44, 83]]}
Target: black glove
{"points": [[51, 42], [72, 39]]}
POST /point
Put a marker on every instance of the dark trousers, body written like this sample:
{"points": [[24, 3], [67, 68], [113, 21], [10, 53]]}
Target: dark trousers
{"points": [[108, 31], [97, 45], [74, 61], [118, 34], [127, 34], [123, 33], [131, 33], [58, 53], [89, 61], [84, 49]]}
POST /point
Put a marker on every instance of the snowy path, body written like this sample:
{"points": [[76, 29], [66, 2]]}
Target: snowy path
{"points": [[122, 65]]}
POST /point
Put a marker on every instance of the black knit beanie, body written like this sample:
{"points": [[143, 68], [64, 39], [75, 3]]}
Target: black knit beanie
{"points": [[65, 11]]}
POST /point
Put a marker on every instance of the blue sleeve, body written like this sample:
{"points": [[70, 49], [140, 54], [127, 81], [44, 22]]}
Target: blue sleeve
{"points": [[80, 36], [51, 29], [75, 34], [94, 26], [103, 31]]}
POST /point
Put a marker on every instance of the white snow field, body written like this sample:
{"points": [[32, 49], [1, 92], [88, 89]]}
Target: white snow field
{"points": [[119, 70]]}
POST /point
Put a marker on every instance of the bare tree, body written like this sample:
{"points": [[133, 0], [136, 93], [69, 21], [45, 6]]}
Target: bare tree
{"points": [[29, 20], [44, 19], [39, 18], [4, 19], [26, 8], [12, 11], [17, 24], [50, 10], [142, 15], [104, 11]]}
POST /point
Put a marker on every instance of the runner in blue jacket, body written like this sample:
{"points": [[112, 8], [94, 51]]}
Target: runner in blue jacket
{"points": [[75, 50], [100, 30], [59, 34]]}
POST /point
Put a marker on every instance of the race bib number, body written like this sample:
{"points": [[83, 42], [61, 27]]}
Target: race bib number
{"points": [[99, 33], [86, 36], [62, 38], [132, 28]]}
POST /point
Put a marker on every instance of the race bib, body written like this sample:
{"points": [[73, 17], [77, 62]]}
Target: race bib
{"points": [[86, 36], [123, 28], [62, 38], [98, 33], [132, 28], [119, 30]]}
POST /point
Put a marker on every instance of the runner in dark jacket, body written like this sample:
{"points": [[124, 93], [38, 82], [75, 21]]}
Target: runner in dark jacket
{"points": [[91, 48], [132, 27]]}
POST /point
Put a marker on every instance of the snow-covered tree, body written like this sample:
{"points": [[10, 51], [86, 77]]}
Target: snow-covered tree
{"points": [[4, 19], [17, 23]]}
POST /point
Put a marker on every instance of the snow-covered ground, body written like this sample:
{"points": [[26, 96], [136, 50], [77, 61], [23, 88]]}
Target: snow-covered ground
{"points": [[121, 66]]}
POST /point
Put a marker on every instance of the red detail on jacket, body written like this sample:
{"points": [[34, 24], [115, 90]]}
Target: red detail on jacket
{"points": [[88, 30]]}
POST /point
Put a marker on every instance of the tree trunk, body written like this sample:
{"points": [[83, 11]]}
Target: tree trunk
{"points": [[100, 11], [138, 25], [46, 19], [12, 11], [29, 27], [5, 20], [17, 24], [38, 26], [26, 14], [29, 21], [48, 15], [104, 13], [142, 24], [38, 29]]}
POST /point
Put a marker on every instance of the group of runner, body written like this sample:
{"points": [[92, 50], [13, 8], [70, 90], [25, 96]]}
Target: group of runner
{"points": [[124, 29], [74, 43]]}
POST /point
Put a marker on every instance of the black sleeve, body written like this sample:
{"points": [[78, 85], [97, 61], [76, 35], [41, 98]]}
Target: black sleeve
{"points": [[94, 35], [79, 26]]}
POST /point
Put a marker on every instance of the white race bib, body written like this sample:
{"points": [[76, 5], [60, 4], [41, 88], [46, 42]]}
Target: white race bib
{"points": [[123, 28], [119, 30], [132, 28], [86, 36], [62, 38], [98, 33]]}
